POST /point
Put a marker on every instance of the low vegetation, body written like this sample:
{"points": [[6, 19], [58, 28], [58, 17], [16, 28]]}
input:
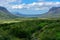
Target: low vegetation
{"points": [[31, 30]]}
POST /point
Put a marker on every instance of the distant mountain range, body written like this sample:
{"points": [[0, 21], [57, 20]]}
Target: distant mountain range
{"points": [[5, 14], [26, 15], [54, 12]]}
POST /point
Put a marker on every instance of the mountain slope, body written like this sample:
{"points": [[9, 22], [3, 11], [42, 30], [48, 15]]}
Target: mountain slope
{"points": [[5, 14], [54, 12]]}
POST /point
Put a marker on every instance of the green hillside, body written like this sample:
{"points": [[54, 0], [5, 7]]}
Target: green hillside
{"points": [[39, 29], [54, 12], [5, 14]]}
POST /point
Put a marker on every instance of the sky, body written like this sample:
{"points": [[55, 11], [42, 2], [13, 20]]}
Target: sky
{"points": [[29, 6]]}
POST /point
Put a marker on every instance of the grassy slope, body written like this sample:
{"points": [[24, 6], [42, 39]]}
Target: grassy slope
{"points": [[37, 29], [5, 15]]}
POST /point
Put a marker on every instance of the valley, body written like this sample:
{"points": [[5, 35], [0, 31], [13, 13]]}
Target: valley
{"points": [[40, 27]]}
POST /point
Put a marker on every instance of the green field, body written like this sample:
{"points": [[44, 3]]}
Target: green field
{"points": [[30, 29]]}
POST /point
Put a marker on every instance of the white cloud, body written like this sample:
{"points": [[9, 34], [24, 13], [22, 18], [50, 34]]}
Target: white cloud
{"points": [[33, 6], [18, 6], [6, 2], [10, 0], [37, 5]]}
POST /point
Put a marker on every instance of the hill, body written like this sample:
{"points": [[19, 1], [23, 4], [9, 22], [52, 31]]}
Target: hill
{"points": [[54, 12], [5, 14]]}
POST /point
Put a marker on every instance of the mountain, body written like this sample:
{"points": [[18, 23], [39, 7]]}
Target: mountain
{"points": [[54, 12], [5, 14], [26, 15]]}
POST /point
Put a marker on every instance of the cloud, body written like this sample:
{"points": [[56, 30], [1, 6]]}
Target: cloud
{"points": [[40, 5], [6, 2], [37, 5]]}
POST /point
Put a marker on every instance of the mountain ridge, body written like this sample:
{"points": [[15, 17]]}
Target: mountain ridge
{"points": [[54, 12], [5, 14]]}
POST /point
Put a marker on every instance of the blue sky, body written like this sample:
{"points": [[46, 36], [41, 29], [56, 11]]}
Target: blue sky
{"points": [[29, 6], [29, 1]]}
